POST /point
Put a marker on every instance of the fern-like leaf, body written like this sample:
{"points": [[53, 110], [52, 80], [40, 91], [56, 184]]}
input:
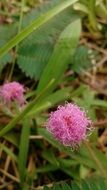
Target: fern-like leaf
{"points": [[81, 59], [35, 51], [93, 183]]}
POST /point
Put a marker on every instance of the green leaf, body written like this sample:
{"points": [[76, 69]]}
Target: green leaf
{"points": [[65, 186], [35, 51], [87, 102], [46, 168], [56, 187], [81, 59], [49, 155], [100, 103], [23, 149], [92, 183], [4, 60], [102, 158], [67, 162], [83, 171], [13, 138], [51, 100], [35, 25], [64, 48], [102, 184], [75, 157], [81, 7], [85, 185], [70, 172], [46, 188], [75, 186], [8, 152], [4, 38], [101, 10]]}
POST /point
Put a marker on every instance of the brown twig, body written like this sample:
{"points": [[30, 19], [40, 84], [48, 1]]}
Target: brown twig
{"points": [[9, 175], [100, 123]]}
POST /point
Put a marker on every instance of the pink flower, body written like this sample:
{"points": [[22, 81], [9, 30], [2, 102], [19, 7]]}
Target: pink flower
{"points": [[12, 91], [69, 125]]}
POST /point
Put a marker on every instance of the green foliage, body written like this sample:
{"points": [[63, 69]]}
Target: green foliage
{"points": [[35, 51], [87, 99], [91, 10], [81, 59], [12, 138], [6, 33], [8, 151], [23, 150], [88, 184], [83, 156], [35, 25], [45, 55], [64, 48], [50, 101], [4, 60]]}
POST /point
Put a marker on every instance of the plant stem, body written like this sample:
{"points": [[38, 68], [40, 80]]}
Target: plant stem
{"points": [[16, 49], [92, 16]]}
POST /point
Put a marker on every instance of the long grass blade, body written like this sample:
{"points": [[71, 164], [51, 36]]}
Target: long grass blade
{"points": [[35, 25], [59, 60]]}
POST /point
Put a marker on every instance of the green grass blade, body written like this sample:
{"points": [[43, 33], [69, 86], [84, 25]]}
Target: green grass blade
{"points": [[13, 138], [51, 100], [23, 149], [8, 152], [96, 159], [35, 25], [59, 60], [92, 16]]}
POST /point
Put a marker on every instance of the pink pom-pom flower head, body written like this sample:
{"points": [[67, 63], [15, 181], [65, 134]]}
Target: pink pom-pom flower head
{"points": [[12, 91], [69, 125]]}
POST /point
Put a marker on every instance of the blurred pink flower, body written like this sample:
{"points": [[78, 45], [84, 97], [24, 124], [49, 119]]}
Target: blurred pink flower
{"points": [[12, 91], [69, 125]]}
